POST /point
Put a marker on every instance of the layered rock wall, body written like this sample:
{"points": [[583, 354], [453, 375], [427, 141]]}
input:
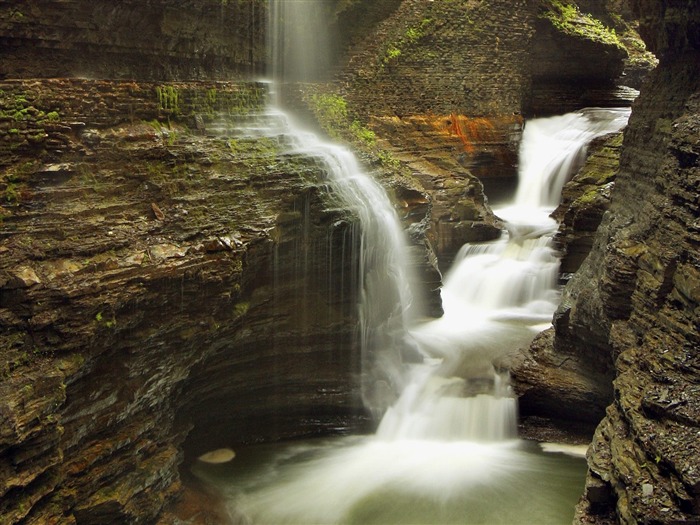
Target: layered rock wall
{"points": [[631, 311], [445, 86], [154, 265], [163, 40]]}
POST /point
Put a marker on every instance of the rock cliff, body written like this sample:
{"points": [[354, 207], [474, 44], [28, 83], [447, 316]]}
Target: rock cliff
{"points": [[138, 232], [131, 39], [630, 313], [445, 87], [153, 265]]}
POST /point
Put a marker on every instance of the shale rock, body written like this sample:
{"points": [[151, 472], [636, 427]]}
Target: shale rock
{"points": [[585, 200], [632, 307], [164, 40], [137, 236], [445, 85]]}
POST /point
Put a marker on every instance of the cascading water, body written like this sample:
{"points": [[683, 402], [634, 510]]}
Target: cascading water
{"points": [[299, 44], [446, 451], [497, 296]]}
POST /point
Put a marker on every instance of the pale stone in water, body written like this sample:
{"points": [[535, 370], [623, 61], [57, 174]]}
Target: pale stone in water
{"points": [[578, 451], [221, 455]]}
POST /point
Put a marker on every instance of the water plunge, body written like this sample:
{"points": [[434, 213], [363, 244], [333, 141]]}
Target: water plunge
{"points": [[446, 451], [300, 49]]}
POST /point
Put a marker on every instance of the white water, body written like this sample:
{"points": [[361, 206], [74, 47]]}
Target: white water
{"points": [[298, 40], [300, 45], [496, 297]]}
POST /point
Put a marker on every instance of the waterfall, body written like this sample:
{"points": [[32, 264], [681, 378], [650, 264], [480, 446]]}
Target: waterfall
{"points": [[552, 149], [446, 449], [298, 40], [497, 296], [298, 43]]}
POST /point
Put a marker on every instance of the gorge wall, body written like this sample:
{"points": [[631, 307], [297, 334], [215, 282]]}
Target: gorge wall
{"points": [[630, 314], [153, 40], [446, 85], [137, 234]]}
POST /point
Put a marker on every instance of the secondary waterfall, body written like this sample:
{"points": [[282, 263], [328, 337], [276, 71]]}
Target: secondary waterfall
{"points": [[497, 296]]}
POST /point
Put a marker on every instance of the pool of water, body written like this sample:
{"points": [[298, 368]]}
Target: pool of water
{"points": [[367, 481]]}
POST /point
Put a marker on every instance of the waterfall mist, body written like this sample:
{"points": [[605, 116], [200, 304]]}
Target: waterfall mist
{"points": [[299, 42]]}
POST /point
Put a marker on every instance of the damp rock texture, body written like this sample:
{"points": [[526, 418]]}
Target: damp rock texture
{"points": [[154, 277], [155, 299], [162, 40], [584, 201], [631, 310], [445, 86]]}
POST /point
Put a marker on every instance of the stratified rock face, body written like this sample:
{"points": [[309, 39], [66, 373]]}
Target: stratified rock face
{"points": [[565, 76], [634, 302], [132, 39], [157, 272], [585, 199], [445, 86], [443, 58]]}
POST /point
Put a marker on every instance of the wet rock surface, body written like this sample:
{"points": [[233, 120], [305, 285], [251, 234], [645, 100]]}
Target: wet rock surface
{"points": [[142, 245], [135, 240], [633, 302], [445, 86], [162, 40], [585, 199]]}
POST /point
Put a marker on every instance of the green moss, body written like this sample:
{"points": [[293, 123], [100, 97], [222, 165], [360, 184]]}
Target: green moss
{"points": [[587, 198], [169, 99], [410, 37], [11, 193], [241, 309], [332, 112], [108, 323], [566, 17], [362, 133], [392, 53]]}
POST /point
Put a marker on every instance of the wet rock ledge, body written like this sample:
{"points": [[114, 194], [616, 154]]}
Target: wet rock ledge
{"points": [[137, 232]]}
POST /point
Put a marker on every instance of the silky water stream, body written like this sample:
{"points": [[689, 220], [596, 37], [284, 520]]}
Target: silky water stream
{"points": [[447, 450]]}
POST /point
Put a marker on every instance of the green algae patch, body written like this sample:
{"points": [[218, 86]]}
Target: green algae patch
{"points": [[568, 19]]}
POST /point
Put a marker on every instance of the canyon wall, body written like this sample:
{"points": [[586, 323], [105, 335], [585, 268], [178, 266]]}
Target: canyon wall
{"points": [[446, 87], [132, 39], [630, 314], [158, 272]]}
